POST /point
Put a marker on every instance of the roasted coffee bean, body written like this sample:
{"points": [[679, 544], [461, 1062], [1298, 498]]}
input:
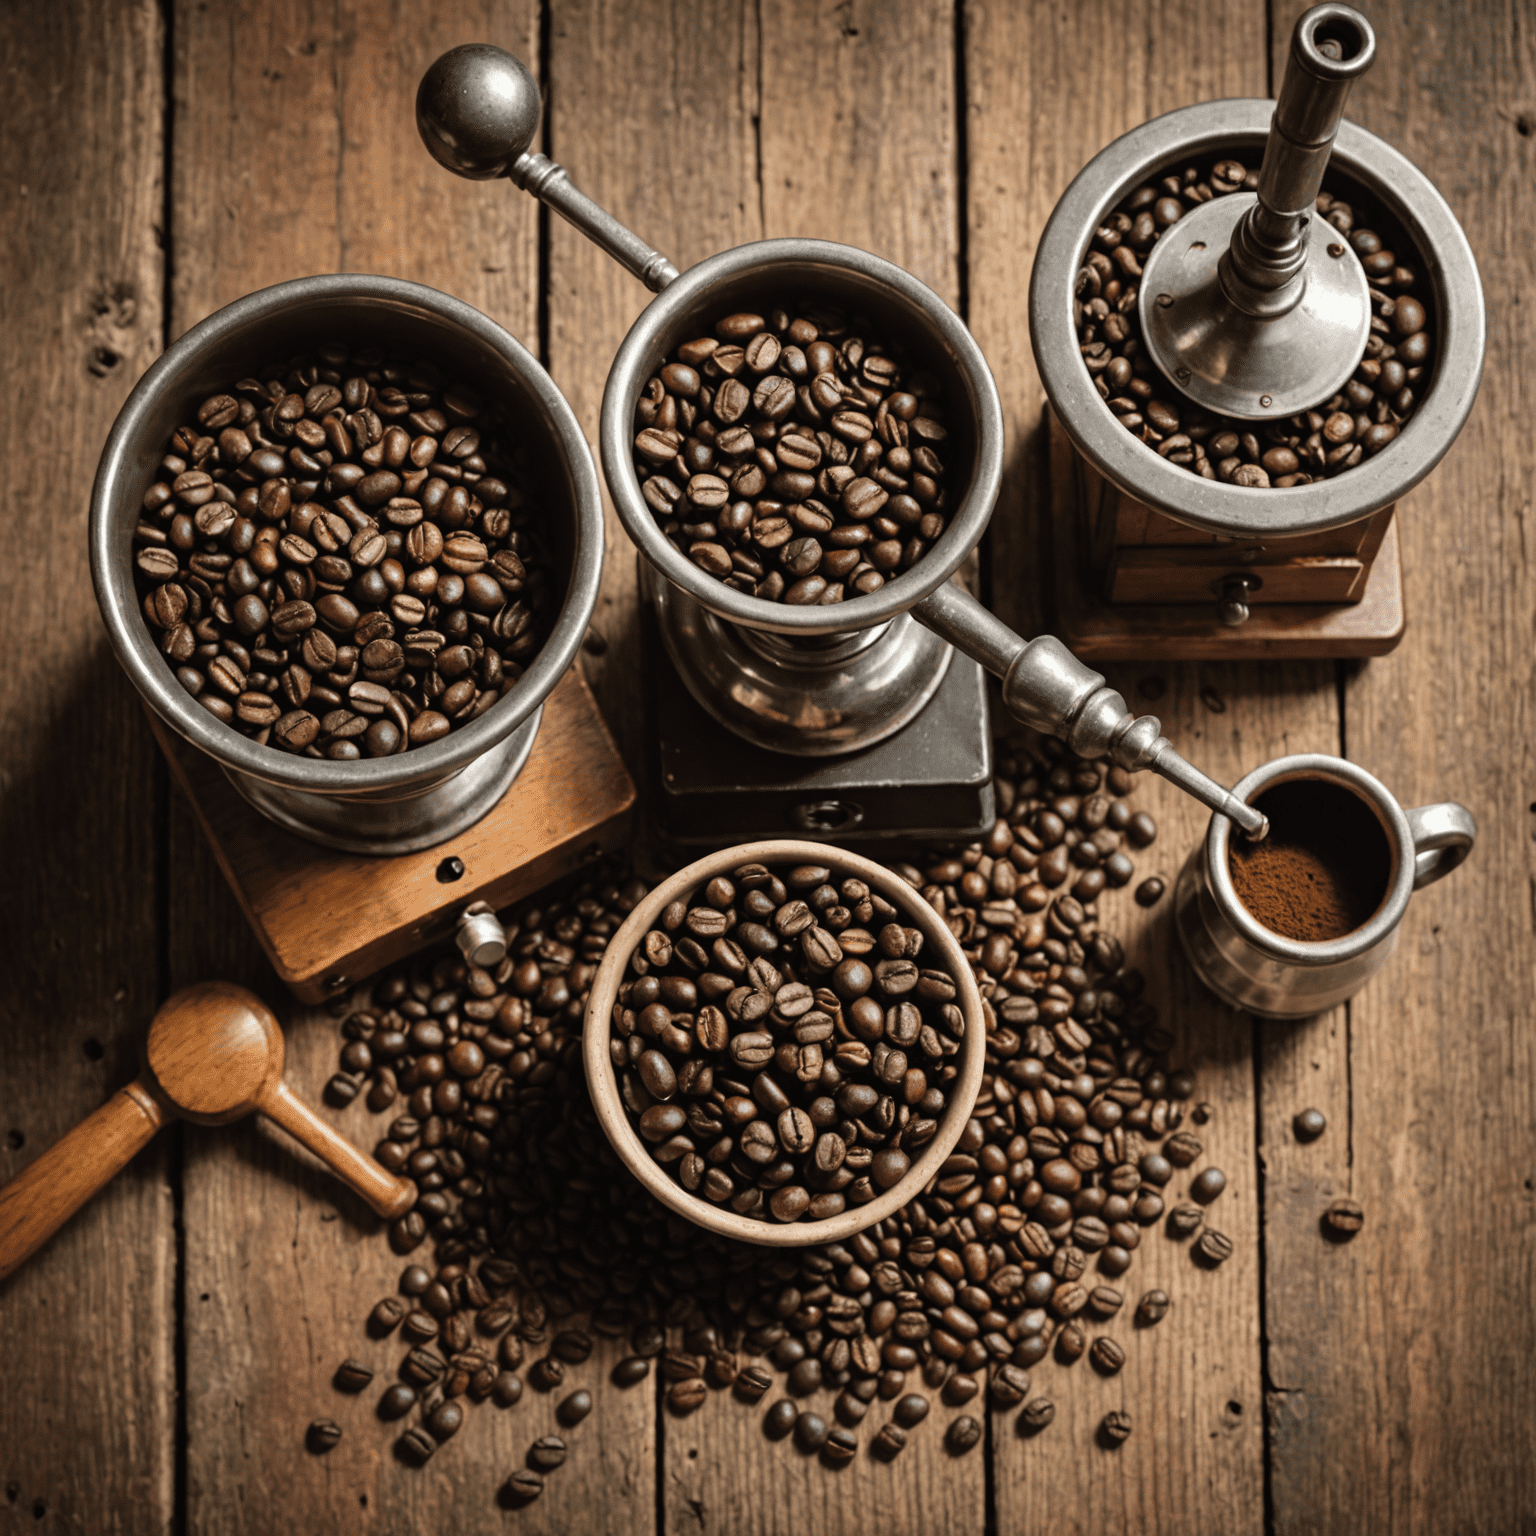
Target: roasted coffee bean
{"points": [[575, 1407], [686, 1395], [322, 1436], [1150, 891], [910, 1410], [523, 1486], [1010, 1386], [811, 1431], [1213, 1247], [547, 1453], [890, 1442], [630, 1371], [352, 1376], [387, 1316], [1185, 1220], [397, 1401], [297, 553], [1344, 1218], [1106, 1356], [444, 1420], [1152, 1308], [780, 1419], [1207, 1185], [1310, 1124], [751, 1383], [840, 1448], [963, 1435], [1115, 1428]]}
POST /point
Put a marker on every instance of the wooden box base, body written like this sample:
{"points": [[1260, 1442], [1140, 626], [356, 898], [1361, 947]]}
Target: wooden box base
{"points": [[327, 918], [1098, 630]]}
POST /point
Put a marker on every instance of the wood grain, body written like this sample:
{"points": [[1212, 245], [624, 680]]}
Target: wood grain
{"points": [[1402, 1362], [296, 151], [87, 1414], [1046, 89]]}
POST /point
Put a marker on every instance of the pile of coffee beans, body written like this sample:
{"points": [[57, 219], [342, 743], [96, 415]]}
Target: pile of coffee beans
{"points": [[1361, 420], [778, 1055], [337, 557], [794, 455], [1016, 1254]]}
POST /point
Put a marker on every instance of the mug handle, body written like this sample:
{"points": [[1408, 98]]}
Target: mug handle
{"points": [[1442, 838]]}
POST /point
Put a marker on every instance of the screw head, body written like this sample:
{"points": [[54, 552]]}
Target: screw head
{"points": [[1182, 375], [1266, 401], [477, 110], [1164, 300]]}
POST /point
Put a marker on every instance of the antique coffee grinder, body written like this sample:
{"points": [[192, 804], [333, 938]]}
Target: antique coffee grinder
{"points": [[858, 719], [1258, 327], [343, 866]]}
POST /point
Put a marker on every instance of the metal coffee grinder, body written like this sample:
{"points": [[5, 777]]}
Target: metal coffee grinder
{"points": [[838, 720], [1289, 283]]}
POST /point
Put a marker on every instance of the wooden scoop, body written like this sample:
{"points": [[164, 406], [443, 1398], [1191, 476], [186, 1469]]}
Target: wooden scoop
{"points": [[214, 1054]]}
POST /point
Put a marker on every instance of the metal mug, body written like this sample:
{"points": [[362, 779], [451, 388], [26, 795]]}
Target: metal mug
{"points": [[1250, 967]]}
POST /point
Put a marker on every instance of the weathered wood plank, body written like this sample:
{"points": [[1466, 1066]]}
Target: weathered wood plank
{"points": [[297, 152], [1046, 89], [1402, 1363], [87, 1416], [651, 109]]}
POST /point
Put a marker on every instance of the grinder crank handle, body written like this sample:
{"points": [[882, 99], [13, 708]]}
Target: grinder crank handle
{"points": [[51, 1188], [388, 1194], [1047, 687], [478, 109]]}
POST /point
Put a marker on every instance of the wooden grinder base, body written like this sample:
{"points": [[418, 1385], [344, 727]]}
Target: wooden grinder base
{"points": [[327, 918], [1099, 630]]}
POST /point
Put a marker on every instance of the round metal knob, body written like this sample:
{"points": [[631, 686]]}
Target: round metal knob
{"points": [[1233, 609], [478, 110], [480, 937]]}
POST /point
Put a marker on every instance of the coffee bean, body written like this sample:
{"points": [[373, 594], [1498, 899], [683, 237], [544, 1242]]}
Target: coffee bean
{"points": [[890, 1442], [522, 1487], [630, 1371], [687, 1395], [1185, 1220], [397, 1401], [1106, 1356], [810, 1431], [444, 1420], [780, 1419], [1310, 1124], [1207, 1185], [963, 1435], [322, 1436], [386, 1316], [506, 1389], [1037, 1415], [1152, 1308], [352, 1376], [1213, 1247], [1344, 1218], [1010, 1386], [547, 1453], [751, 1383], [1150, 891], [575, 1407], [840, 1448], [1115, 1428]]}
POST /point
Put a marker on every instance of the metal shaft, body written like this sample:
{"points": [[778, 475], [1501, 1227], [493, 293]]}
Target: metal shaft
{"points": [[1263, 272], [551, 184], [1047, 687]]}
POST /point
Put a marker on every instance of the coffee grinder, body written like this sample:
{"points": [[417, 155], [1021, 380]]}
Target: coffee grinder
{"points": [[342, 867], [822, 721], [1254, 306]]}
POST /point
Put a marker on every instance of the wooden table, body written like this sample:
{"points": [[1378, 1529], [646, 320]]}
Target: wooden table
{"points": [[162, 1357]]}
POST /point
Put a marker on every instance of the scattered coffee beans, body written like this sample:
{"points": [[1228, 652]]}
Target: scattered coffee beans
{"points": [[780, 1049], [542, 1239], [1344, 1218], [1207, 1185], [547, 1453], [1106, 1356], [1037, 1414], [1213, 1247], [337, 558], [841, 1447], [522, 1487], [1150, 891], [794, 456], [1361, 420], [352, 1376], [1116, 1428], [1152, 1308]]}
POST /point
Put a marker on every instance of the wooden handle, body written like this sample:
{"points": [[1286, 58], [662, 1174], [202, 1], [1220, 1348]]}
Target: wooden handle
{"points": [[388, 1195], [46, 1193]]}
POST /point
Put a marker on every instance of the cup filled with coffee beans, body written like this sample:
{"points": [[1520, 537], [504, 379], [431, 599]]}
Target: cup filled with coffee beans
{"points": [[1296, 923], [346, 536], [784, 1042]]}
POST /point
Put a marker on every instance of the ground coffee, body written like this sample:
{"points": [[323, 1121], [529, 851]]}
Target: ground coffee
{"points": [[1322, 871]]}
